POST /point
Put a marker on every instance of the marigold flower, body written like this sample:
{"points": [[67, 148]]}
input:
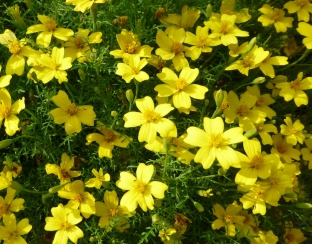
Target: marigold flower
{"points": [[263, 131], [78, 46], [48, 28], [171, 48], [99, 180], [150, 119], [266, 66], [8, 111], [180, 87], [11, 232], [214, 143], [302, 7], [140, 189], [78, 198], [63, 172], [19, 50], [70, 114], [293, 131], [275, 16], [14, 168], [228, 218], [293, 235], [165, 235], [84, 5], [111, 214], [305, 29], [64, 222], [227, 8], [5, 180], [307, 152], [9, 204]]}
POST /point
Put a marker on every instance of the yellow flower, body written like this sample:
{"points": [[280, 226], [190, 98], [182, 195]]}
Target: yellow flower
{"points": [[226, 29], [305, 29], [263, 131], [236, 50], [78, 198], [293, 235], [214, 143], [70, 114], [9, 204], [307, 152], [171, 48], [64, 222], [266, 66], [132, 70], [5, 180], [99, 180], [295, 89], [107, 140], [255, 164], [241, 109], [11, 232], [8, 111], [263, 237], [162, 100], [293, 131], [227, 8], [63, 172], [275, 16], [19, 50], [130, 45], [165, 235], [53, 66], [140, 189], [284, 149], [251, 60], [180, 87], [157, 62], [14, 168], [78, 46], [228, 218], [5, 79], [111, 214], [84, 5], [302, 7], [150, 119], [48, 28]]}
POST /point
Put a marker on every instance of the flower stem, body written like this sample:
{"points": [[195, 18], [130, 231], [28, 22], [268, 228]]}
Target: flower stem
{"points": [[297, 61], [35, 192], [136, 94], [94, 15]]}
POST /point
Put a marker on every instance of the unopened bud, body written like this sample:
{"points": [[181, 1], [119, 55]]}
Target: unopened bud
{"points": [[251, 133], [155, 218], [129, 95], [199, 207], [303, 205], [206, 102], [221, 171], [209, 11], [55, 189], [114, 113], [6, 143], [29, 4], [251, 44], [97, 90], [258, 80], [158, 203], [82, 74], [14, 11], [290, 195], [219, 96], [166, 144]]}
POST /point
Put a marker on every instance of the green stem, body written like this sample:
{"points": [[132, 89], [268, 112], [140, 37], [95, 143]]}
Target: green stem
{"points": [[70, 92], [35, 192], [31, 114], [188, 172], [223, 184], [94, 15], [116, 117], [136, 94], [298, 60], [215, 113]]}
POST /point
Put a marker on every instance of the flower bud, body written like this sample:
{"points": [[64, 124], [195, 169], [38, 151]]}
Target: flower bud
{"points": [[166, 144], [219, 96], [29, 4], [221, 171], [209, 11], [251, 44], [129, 95], [199, 207], [206, 102], [251, 133], [114, 113], [14, 11], [258, 80], [303, 205], [82, 74], [158, 203], [6, 143], [290, 195], [55, 189], [155, 218]]}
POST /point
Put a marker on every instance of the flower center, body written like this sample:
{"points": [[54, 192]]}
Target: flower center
{"points": [[277, 15], [79, 42], [130, 48], [228, 219], [65, 174], [176, 47], [256, 162], [224, 28], [258, 192], [151, 116], [296, 84], [292, 131], [113, 212], [12, 236], [302, 3], [260, 102], [14, 48], [260, 128], [139, 186], [202, 41], [79, 198], [65, 225], [72, 109], [247, 61], [289, 238], [281, 149], [53, 65], [224, 106], [109, 136], [273, 182], [159, 13], [4, 111], [50, 25], [216, 140], [243, 110], [4, 208], [181, 84]]}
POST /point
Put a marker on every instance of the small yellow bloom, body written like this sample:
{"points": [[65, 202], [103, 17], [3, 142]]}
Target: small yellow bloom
{"points": [[9, 204], [305, 29], [263, 131], [14, 168], [140, 189], [64, 222], [11, 232], [84, 5], [165, 234], [111, 214], [99, 180], [227, 8], [70, 114], [266, 66], [275, 16], [293, 131], [8, 111], [307, 152], [302, 7], [186, 20], [293, 235]]}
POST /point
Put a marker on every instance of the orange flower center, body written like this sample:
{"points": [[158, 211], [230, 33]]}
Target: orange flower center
{"points": [[176, 47], [228, 12], [113, 212], [290, 238], [65, 226], [159, 13], [12, 235], [260, 128], [296, 84], [260, 102], [53, 65], [256, 162], [72, 109], [277, 15], [273, 182], [281, 149], [14, 47], [258, 192], [4, 208], [228, 219], [243, 110], [130, 48], [224, 106], [292, 131], [202, 41], [109, 136], [5, 111], [50, 25], [139, 186], [151, 116], [79, 42], [303, 3], [65, 174], [181, 84], [224, 28], [216, 140], [79, 198], [247, 61]]}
